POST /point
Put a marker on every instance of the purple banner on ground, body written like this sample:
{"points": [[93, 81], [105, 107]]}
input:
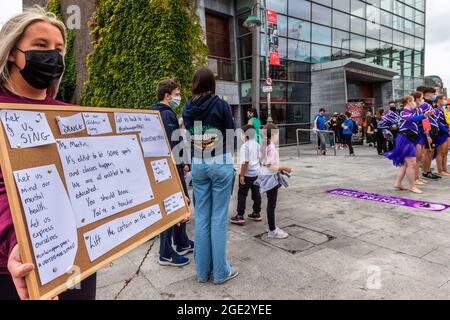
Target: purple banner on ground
{"points": [[410, 203]]}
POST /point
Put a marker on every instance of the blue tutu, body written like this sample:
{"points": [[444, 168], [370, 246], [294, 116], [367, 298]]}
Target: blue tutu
{"points": [[422, 139], [441, 140], [404, 148]]}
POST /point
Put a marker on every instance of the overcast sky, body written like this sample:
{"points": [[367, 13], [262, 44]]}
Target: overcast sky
{"points": [[437, 54], [438, 40]]}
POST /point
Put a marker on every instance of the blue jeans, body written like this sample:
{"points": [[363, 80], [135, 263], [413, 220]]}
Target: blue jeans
{"points": [[212, 184]]}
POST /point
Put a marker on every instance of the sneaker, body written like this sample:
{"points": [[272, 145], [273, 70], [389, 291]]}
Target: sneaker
{"points": [[430, 176], [277, 234], [174, 261], [255, 217], [238, 220], [233, 274], [182, 251]]}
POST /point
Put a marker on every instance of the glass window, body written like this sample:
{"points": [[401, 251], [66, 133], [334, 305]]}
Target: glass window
{"points": [[245, 46], [373, 30], [358, 25], [299, 92], [409, 27], [357, 43], [343, 5], [282, 25], [341, 39], [419, 44], [372, 46], [386, 5], [299, 29], [278, 93], [398, 23], [321, 14], [418, 57], [399, 8], [341, 20], [338, 54], [373, 14], [409, 13], [386, 19], [299, 71], [420, 17], [420, 4], [407, 69], [321, 34], [420, 31], [299, 50], [409, 41], [300, 9], [245, 70], [324, 2], [279, 6], [358, 8], [320, 54], [386, 34], [246, 92], [399, 38], [418, 71]]}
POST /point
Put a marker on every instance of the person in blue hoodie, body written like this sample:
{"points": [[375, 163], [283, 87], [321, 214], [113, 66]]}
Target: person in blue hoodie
{"points": [[168, 92], [208, 119]]}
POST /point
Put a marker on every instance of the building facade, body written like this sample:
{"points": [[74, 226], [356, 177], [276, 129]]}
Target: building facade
{"points": [[331, 52]]}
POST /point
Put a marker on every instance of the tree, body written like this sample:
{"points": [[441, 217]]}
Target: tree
{"points": [[68, 82], [137, 44]]}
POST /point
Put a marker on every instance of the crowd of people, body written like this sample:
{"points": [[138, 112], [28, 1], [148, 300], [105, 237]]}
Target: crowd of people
{"points": [[412, 136]]}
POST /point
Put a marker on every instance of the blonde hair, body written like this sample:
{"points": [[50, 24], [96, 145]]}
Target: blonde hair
{"points": [[12, 32]]}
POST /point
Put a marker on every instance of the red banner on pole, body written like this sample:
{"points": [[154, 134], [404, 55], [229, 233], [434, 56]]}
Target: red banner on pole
{"points": [[272, 17], [275, 58]]}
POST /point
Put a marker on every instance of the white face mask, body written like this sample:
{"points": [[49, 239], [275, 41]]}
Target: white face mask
{"points": [[175, 102]]}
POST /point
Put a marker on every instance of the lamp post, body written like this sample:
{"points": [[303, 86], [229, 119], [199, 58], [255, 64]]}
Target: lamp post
{"points": [[253, 22]]}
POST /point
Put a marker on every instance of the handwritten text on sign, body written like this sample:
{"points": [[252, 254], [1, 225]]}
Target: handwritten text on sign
{"points": [[110, 235], [70, 125], [161, 171], [104, 175], [174, 203], [50, 220], [26, 129], [151, 132], [97, 123]]}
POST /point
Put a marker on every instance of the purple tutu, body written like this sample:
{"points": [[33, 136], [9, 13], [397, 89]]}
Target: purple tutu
{"points": [[422, 139], [404, 148]]}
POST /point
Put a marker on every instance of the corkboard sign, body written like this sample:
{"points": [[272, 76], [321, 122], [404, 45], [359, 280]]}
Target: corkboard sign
{"points": [[85, 187]]}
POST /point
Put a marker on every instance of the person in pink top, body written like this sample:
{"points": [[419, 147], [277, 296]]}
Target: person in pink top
{"points": [[272, 163], [32, 48]]}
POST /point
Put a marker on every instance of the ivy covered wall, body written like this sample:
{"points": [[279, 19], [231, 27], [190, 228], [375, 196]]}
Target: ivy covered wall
{"points": [[137, 44]]}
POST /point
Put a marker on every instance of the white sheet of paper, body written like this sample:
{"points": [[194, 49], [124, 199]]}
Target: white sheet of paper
{"points": [[70, 125], [161, 170], [174, 203], [97, 123], [112, 234], [151, 132], [50, 220], [104, 175], [26, 129]]}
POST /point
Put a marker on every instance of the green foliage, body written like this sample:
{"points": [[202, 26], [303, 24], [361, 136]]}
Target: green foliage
{"points": [[68, 82], [139, 43]]}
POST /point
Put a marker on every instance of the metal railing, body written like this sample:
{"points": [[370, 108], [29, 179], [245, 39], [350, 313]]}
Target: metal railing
{"points": [[326, 132]]}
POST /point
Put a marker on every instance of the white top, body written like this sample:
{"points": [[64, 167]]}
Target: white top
{"points": [[250, 152]]}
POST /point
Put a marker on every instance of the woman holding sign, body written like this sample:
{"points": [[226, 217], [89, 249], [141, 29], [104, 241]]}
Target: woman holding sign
{"points": [[404, 154], [32, 48]]}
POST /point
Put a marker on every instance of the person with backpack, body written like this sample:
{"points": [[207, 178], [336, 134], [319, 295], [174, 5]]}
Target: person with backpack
{"points": [[349, 129]]}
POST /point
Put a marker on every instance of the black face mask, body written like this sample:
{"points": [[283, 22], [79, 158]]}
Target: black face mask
{"points": [[42, 68], [394, 109]]}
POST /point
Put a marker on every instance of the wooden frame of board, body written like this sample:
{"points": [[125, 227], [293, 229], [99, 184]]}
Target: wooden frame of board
{"points": [[18, 159]]}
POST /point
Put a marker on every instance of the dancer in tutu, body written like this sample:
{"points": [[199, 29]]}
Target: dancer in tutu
{"points": [[442, 144], [404, 154], [422, 140]]}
